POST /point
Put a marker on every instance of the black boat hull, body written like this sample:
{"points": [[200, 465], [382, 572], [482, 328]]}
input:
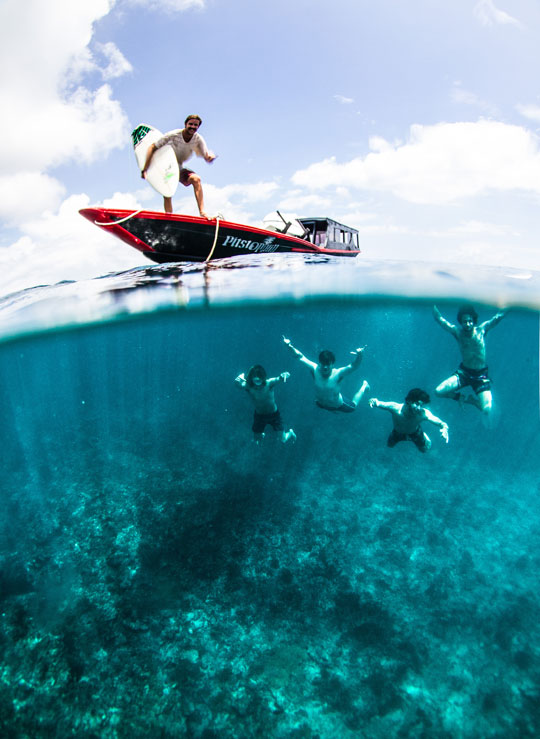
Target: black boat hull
{"points": [[164, 237]]}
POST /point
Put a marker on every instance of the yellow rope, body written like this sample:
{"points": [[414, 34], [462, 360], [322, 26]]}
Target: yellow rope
{"points": [[209, 257]]}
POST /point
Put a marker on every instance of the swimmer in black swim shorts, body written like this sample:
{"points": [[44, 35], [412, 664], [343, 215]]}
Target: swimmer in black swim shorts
{"points": [[261, 391], [473, 371], [407, 418]]}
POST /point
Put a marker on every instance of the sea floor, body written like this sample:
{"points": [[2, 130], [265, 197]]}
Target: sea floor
{"points": [[226, 593]]}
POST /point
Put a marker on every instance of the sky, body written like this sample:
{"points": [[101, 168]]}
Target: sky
{"points": [[417, 123]]}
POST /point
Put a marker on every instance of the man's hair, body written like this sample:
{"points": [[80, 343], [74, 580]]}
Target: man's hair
{"points": [[195, 117], [467, 310], [326, 357], [417, 395], [256, 371]]}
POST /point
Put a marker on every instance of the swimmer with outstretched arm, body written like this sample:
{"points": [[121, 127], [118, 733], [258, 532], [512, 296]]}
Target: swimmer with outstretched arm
{"points": [[473, 371], [328, 379], [407, 418], [261, 391]]}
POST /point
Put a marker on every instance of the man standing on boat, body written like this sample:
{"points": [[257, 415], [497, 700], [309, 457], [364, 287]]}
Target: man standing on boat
{"points": [[328, 379], [185, 142]]}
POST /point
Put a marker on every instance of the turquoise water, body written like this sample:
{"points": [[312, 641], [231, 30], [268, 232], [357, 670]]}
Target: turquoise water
{"points": [[161, 575]]}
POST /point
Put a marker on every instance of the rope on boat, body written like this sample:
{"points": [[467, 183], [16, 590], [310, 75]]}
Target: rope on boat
{"points": [[209, 257], [115, 223]]}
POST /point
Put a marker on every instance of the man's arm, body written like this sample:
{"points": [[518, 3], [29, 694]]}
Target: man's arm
{"points": [[283, 377], [443, 322], [487, 325], [149, 155], [354, 364], [298, 354], [202, 150], [385, 406], [443, 427]]}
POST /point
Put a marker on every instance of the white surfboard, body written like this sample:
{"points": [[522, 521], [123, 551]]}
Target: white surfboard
{"points": [[163, 171]]}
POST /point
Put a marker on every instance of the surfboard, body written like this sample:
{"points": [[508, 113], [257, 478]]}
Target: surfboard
{"points": [[163, 171]]}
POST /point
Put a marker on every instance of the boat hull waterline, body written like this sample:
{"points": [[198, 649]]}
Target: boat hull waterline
{"points": [[171, 237]]}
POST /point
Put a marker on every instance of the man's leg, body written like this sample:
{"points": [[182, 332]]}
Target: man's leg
{"points": [[195, 180], [359, 395], [484, 401], [393, 439], [167, 205], [449, 388], [422, 441]]}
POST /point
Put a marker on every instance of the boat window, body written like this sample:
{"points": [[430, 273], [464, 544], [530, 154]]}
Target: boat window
{"points": [[320, 235]]}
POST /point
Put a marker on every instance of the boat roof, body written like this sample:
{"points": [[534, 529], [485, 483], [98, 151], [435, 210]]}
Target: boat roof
{"points": [[321, 219]]}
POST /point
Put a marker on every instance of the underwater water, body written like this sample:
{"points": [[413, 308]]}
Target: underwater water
{"points": [[162, 575]]}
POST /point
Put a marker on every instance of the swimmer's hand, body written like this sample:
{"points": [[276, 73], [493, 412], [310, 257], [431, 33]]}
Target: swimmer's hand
{"points": [[360, 350], [444, 432], [285, 376], [373, 403], [286, 341], [240, 379]]}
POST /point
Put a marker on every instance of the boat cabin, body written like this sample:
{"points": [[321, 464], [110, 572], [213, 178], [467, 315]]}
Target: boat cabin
{"points": [[323, 232], [329, 234]]}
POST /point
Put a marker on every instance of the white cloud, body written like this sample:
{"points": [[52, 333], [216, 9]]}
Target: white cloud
{"points": [[24, 193], [233, 202], [343, 100], [483, 228], [174, 6], [62, 245], [117, 64], [532, 112], [250, 193], [462, 96], [304, 204], [439, 164], [489, 15], [48, 116], [83, 127]]}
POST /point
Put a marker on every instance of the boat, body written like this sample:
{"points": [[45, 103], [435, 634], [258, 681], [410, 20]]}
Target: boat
{"points": [[171, 237]]}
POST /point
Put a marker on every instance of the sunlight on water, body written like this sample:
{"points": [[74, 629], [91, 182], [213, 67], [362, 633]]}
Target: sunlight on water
{"points": [[163, 575]]}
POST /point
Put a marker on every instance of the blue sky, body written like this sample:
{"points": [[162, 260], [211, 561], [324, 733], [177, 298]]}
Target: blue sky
{"points": [[416, 122]]}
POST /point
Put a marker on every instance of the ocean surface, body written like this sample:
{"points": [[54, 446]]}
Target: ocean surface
{"points": [[161, 575]]}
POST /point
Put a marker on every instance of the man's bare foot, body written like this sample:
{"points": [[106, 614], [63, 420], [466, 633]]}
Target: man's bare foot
{"points": [[203, 215], [290, 435]]}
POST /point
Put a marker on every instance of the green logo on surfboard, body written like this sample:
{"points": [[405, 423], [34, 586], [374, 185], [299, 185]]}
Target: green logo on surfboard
{"points": [[139, 133]]}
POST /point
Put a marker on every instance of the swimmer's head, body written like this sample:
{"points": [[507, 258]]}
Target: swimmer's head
{"points": [[416, 396], [256, 376], [326, 362], [467, 315]]}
